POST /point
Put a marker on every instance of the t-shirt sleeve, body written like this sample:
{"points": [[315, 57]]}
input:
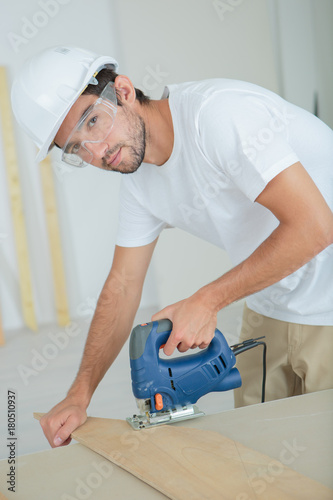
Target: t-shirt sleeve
{"points": [[246, 137], [136, 226]]}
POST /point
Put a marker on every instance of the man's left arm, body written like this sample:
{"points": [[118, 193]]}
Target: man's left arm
{"points": [[305, 229]]}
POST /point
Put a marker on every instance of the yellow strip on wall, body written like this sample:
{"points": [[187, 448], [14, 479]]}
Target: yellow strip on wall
{"points": [[55, 242], [16, 204]]}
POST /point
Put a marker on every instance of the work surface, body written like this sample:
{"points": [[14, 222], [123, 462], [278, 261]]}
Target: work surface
{"points": [[296, 431]]}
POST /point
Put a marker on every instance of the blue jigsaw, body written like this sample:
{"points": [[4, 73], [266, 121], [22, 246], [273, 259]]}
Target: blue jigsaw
{"points": [[166, 389]]}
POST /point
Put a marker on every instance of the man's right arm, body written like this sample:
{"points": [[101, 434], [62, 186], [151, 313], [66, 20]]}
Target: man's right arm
{"points": [[110, 327]]}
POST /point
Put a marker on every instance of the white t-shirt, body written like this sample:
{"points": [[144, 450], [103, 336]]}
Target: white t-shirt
{"points": [[230, 139]]}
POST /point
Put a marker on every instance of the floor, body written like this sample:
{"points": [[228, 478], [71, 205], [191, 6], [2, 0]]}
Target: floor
{"points": [[40, 368]]}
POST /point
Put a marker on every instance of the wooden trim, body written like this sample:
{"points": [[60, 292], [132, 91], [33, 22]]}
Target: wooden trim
{"points": [[16, 204], [55, 242]]}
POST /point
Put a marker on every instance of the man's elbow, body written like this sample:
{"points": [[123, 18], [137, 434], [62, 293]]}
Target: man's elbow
{"points": [[325, 234], [315, 233]]}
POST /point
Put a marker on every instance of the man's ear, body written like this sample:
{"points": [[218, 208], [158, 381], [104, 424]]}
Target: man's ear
{"points": [[125, 89]]}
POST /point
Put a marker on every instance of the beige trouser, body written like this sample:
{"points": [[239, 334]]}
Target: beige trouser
{"points": [[299, 359]]}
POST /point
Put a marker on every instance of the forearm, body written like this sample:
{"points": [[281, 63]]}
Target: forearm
{"points": [[281, 254], [110, 327]]}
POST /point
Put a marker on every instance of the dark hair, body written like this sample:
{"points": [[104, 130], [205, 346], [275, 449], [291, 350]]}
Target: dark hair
{"points": [[107, 75]]}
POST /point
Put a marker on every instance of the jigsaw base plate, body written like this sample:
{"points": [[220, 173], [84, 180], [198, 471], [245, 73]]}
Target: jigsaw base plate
{"points": [[178, 414]]}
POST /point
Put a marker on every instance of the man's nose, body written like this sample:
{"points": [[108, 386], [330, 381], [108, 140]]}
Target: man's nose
{"points": [[97, 149]]}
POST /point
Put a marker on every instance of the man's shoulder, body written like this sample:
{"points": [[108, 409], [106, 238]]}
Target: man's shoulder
{"points": [[221, 95], [206, 88]]}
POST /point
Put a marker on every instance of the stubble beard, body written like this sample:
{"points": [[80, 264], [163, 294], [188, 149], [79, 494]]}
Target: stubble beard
{"points": [[135, 146]]}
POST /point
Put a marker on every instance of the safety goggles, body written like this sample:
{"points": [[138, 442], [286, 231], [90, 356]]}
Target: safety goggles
{"points": [[92, 129]]}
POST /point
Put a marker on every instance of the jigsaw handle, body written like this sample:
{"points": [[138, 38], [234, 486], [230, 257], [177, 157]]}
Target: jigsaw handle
{"points": [[141, 334], [156, 334]]}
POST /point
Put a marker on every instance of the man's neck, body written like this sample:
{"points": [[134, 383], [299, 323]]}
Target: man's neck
{"points": [[159, 130]]}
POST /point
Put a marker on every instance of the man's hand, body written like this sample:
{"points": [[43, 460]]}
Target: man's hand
{"points": [[62, 420], [194, 324]]}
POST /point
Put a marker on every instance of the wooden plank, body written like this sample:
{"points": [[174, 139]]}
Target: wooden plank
{"points": [[55, 242], [16, 204], [185, 463]]}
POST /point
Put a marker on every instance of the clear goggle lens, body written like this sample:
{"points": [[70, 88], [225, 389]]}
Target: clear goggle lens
{"points": [[92, 129]]}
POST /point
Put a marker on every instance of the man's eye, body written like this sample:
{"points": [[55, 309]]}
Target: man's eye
{"points": [[76, 148], [92, 121]]}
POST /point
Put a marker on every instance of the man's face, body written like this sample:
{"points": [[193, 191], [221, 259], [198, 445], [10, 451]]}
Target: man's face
{"points": [[123, 149]]}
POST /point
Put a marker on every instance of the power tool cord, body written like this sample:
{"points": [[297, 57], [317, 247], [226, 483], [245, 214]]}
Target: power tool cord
{"points": [[249, 344]]}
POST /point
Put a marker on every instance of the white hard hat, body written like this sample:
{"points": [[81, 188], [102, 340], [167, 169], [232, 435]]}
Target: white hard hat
{"points": [[47, 87]]}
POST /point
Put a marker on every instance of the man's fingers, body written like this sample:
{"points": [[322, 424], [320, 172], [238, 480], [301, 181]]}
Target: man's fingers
{"points": [[175, 338], [58, 426], [182, 347], [65, 443], [184, 336], [203, 345], [169, 347], [159, 315], [63, 434]]}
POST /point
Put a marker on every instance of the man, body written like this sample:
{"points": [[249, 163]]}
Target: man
{"points": [[262, 171]]}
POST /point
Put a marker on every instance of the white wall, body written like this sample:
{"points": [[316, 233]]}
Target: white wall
{"points": [[323, 40], [303, 40]]}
